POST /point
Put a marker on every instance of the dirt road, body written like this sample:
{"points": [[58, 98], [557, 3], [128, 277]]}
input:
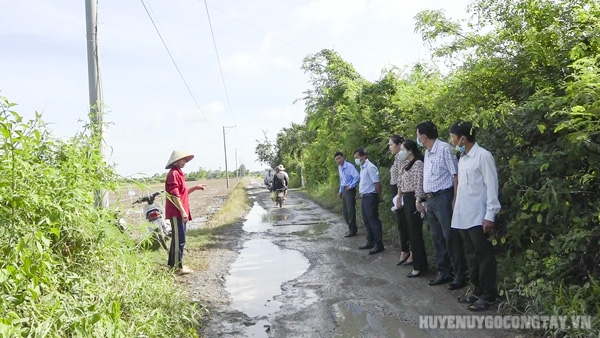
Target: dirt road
{"points": [[289, 272]]}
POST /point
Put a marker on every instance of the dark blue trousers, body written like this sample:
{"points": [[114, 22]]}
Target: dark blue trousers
{"points": [[370, 214], [448, 248], [177, 243]]}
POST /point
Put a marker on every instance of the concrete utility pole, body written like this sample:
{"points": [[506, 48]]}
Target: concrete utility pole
{"points": [[96, 110], [225, 148], [237, 169]]}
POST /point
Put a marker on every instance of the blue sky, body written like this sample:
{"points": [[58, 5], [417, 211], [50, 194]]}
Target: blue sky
{"points": [[261, 44]]}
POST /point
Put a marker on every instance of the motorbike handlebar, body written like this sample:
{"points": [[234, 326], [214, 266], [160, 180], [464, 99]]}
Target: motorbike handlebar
{"points": [[148, 198]]}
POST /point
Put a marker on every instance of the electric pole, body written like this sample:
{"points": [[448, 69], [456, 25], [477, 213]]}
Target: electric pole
{"points": [[91, 15], [225, 149]]}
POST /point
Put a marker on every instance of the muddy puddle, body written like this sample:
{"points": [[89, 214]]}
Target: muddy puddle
{"points": [[261, 268], [354, 321]]}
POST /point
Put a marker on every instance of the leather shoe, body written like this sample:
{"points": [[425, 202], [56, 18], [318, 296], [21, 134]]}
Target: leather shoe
{"points": [[402, 261], [480, 305], [468, 298], [440, 279], [376, 250], [366, 246], [413, 275], [350, 234], [456, 284]]}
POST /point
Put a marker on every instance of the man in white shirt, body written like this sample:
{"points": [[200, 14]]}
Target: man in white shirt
{"points": [[474, 214]]}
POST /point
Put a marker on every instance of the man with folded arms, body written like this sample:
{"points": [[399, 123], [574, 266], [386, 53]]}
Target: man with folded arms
{"points": [[439, 181]]}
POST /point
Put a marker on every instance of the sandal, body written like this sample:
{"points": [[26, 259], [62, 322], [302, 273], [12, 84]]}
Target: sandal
{"points": [[468, 299], [480, 305]]}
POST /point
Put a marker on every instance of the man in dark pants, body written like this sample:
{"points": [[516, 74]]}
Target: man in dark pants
{"points": [[349, 178], [439, 180], [474, 214], [370, 193]]}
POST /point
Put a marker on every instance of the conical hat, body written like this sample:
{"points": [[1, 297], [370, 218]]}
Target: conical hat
{"points": [[178, 155]]}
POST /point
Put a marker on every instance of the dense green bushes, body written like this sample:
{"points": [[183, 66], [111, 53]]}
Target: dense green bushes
{"points": [[528, 74], [66, 270]]}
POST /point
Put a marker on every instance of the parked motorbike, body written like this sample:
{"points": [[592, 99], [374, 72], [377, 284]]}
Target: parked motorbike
{"points": [[160, 230]]}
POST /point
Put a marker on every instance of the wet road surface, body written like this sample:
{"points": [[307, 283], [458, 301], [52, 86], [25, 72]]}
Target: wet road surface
{"points": [[296, 275]]}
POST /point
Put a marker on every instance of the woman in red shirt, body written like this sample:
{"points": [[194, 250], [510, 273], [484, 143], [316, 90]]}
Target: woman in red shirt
{"points": [[177, 207]]}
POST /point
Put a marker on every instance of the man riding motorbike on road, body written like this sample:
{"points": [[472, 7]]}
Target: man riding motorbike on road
{"points": [[280, 180]]}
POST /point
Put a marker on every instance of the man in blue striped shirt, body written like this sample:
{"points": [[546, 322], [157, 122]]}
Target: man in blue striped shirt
{"points": [[349, 178]]}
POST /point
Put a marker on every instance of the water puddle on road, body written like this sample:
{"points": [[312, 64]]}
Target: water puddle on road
{"points": [[255, 220], [256, 277], [353, 321]]}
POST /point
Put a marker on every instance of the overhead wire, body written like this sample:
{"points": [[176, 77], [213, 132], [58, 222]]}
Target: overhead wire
{"points": [[221, 69], [178, 69], [271, 35]]}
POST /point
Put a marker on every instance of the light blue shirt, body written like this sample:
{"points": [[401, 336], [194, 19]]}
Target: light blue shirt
{"points": [[369, 175], [348, 176]]}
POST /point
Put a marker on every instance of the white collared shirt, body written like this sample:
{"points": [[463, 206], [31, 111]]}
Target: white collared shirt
{"points": [[477, 194]]}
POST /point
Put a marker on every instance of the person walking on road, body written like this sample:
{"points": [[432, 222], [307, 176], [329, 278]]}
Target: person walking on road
{"points": [[474, 213], [439, 182], [177, 208], [394, 144], [349, 178], [370, 193]]}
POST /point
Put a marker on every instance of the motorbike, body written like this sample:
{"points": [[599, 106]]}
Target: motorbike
{"points": [[160, 230], [279, 199]]}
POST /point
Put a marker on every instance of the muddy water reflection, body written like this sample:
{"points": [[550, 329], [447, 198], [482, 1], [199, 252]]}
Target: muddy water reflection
{"points": [[257, 275], [255, 220]]}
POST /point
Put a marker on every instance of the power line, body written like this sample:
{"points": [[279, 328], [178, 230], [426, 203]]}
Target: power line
{"points": [[178, 70], [291, 44], [219, 62]]}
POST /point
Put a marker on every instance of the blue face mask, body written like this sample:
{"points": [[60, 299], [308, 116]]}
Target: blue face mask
{"points": [[419, 142], [460, 149], [357, 161]]}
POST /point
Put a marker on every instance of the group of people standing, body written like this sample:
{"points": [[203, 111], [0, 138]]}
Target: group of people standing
{"points": [[457, 194]]}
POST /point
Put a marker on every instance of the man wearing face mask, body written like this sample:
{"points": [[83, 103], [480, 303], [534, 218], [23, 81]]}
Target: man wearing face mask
{"points": [[439, 180], [474, 213], [370, 193]]}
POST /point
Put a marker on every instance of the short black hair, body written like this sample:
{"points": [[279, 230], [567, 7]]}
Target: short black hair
{"points": [[428, 129], [361, 151], [463, 128], [339, 153]]}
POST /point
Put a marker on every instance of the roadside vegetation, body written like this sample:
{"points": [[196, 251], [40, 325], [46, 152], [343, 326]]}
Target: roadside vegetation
{"points": [[66, 269], [527, 73]]}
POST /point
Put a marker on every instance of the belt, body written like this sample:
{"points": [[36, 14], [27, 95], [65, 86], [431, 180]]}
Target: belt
{"points": [[439, 192], [369, 194]]}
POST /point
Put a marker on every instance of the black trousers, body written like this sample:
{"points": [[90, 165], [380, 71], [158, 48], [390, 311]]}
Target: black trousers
{"points": [[415, 232], [481, 260], [177, 243], [370, 214], [349, 209], [401, 223]]}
